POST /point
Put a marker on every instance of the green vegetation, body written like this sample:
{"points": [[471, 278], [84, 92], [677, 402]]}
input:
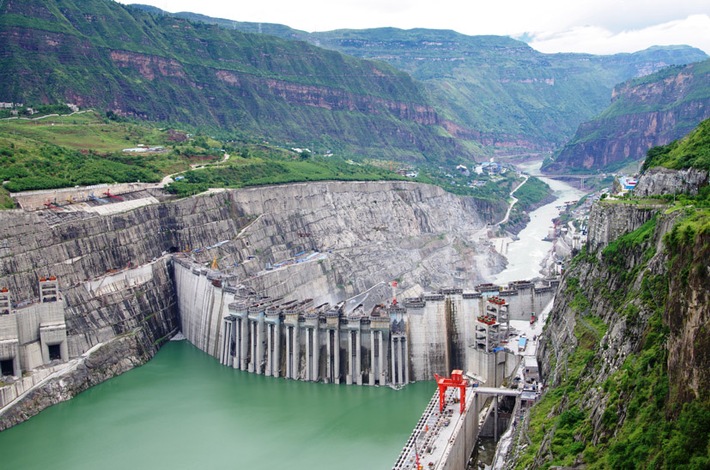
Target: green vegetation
{"points": [[531, 195], [680, 91], [651, 418], [499, 86], [85, 149], [222, 82], [694, 85], [635, 426], [35, 111], [275, 169], [439, 98], [561, 410], [616, 253], [533, 192], [691, 151]]}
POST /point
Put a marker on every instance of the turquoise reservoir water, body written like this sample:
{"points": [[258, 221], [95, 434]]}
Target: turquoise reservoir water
{"points": [[183, 410]]}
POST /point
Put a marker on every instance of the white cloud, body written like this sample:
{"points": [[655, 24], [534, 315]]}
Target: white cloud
{"points": [[605, 26], [693, 30]]}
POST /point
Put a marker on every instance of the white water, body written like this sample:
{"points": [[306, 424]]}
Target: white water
{"points": [[526, 255]]}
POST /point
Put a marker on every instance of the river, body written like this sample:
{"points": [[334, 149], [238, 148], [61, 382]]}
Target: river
{"points": [[526, 254], [183, 410]]}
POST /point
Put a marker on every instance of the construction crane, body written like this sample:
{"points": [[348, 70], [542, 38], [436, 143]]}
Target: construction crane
{"points": [[456, 381], [52, 205]]}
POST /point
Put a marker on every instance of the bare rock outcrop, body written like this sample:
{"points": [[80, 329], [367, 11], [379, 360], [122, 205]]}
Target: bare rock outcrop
{"points": [[659, 181]]}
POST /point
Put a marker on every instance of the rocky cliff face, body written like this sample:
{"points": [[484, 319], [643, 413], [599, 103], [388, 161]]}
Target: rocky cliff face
{"points": [[624, 352], [115, 278], [485, 83], [644, 113], [658, 181]]}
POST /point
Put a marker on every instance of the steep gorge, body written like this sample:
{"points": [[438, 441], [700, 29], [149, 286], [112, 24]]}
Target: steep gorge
{"points": [[111, 57], [643, 113], [624, 351]]}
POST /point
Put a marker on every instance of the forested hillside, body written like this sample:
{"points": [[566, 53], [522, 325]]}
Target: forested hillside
{"points": [[494, 90], [625, 350]]}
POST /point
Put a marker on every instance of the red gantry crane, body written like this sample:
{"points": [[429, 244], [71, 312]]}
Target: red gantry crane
{"points": [[456, 381]]}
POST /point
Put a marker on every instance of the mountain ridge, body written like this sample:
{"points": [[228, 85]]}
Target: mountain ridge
{"points": [[494, 90], [644, 113], [424, 96], [168, 69]]}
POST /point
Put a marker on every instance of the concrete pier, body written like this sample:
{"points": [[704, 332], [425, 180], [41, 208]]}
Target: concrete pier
{"points": [[400, 362], [332, 342], [312, 347], [354, 375], [256, 338], [228, 340], [273, 342]]}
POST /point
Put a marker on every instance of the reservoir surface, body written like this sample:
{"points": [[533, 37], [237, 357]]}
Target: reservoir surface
{"points": [[183, 410]]}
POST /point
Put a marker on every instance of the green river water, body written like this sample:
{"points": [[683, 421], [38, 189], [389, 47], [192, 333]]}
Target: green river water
{"points": [[183, 410]]}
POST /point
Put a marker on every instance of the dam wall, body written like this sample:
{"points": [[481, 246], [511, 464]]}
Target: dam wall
{"points": [[296, 336], [115, 273], [296, 339]]}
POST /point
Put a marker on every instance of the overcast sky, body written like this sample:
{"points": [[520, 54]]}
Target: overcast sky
{"points": [[595, 26]]}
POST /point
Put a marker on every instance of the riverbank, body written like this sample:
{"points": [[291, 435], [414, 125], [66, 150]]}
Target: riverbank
{"points": [[532, 194], [532, 249]]}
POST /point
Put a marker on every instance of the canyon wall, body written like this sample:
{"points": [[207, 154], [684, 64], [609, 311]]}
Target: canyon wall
{"points": [[624, 352], [643, 113]]}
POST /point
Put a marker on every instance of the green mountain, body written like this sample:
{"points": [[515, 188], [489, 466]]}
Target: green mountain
{"points": [[506, 94], [493, 90], [645, 112], [692, 151], [110, 57], [419, 95], [624, 353]]}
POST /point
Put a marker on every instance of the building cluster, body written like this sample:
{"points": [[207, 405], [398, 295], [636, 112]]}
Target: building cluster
{"points": [[625, 184]]}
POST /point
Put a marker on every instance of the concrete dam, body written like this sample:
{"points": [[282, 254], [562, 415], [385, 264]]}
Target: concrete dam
{"points": [[293, 281], [392, 343], [112, 260]]}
